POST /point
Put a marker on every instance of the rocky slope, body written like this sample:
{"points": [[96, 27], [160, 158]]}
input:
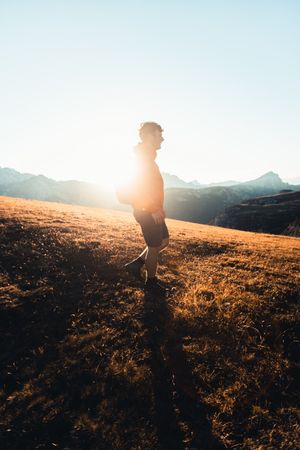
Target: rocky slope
{"points": [[277, 214]]}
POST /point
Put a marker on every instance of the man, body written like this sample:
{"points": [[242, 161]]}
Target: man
{"points": [[148, 204]]}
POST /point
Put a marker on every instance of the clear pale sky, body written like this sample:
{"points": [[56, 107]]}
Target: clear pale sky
{"points": [[221, 77]]}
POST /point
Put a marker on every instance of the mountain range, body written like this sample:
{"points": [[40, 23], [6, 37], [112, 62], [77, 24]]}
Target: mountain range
{"points": [[188, 201], [205, 204]]}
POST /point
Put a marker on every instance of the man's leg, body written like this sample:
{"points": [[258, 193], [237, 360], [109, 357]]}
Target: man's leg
{"points": [[143, 255], [164, 244], [151, 261], [152, 258]]}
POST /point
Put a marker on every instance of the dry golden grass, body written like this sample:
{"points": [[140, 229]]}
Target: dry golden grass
{"points": [[89, 361]]}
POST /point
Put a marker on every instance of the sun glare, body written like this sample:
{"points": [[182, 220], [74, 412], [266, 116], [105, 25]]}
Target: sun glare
{"points": [[116, 171]]}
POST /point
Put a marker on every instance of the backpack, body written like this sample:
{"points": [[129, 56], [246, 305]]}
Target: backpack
{"points": [[125, 194]]}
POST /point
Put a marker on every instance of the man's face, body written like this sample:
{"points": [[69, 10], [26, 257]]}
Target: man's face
{"points": [[156, 139]]}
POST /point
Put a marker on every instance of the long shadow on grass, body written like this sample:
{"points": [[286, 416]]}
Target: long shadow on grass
{"points": [[42, 314], [33, 325], [181, 417]]}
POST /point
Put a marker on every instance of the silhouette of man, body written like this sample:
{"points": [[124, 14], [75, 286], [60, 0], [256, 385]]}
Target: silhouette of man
{"points": [[148, 204]]}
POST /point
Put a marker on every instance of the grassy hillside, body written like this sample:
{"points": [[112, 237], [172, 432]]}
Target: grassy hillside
{"points": [[89, 361]]}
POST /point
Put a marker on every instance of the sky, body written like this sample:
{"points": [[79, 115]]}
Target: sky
{"points": [[222, 77]]}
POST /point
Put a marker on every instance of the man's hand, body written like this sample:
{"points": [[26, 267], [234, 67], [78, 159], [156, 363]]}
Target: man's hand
{"points": [[158, 216]]}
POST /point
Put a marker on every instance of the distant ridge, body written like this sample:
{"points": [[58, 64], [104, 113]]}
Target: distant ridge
{"points": [[9, 175], [185, 201], [269, 180], [205, 204], [40, 187]]}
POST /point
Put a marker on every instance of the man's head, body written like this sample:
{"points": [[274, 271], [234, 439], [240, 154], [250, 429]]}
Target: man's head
{"points": [[151, 135]]}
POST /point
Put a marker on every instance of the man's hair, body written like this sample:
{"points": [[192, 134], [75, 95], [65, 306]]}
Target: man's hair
{"points": [[148, 128]]}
